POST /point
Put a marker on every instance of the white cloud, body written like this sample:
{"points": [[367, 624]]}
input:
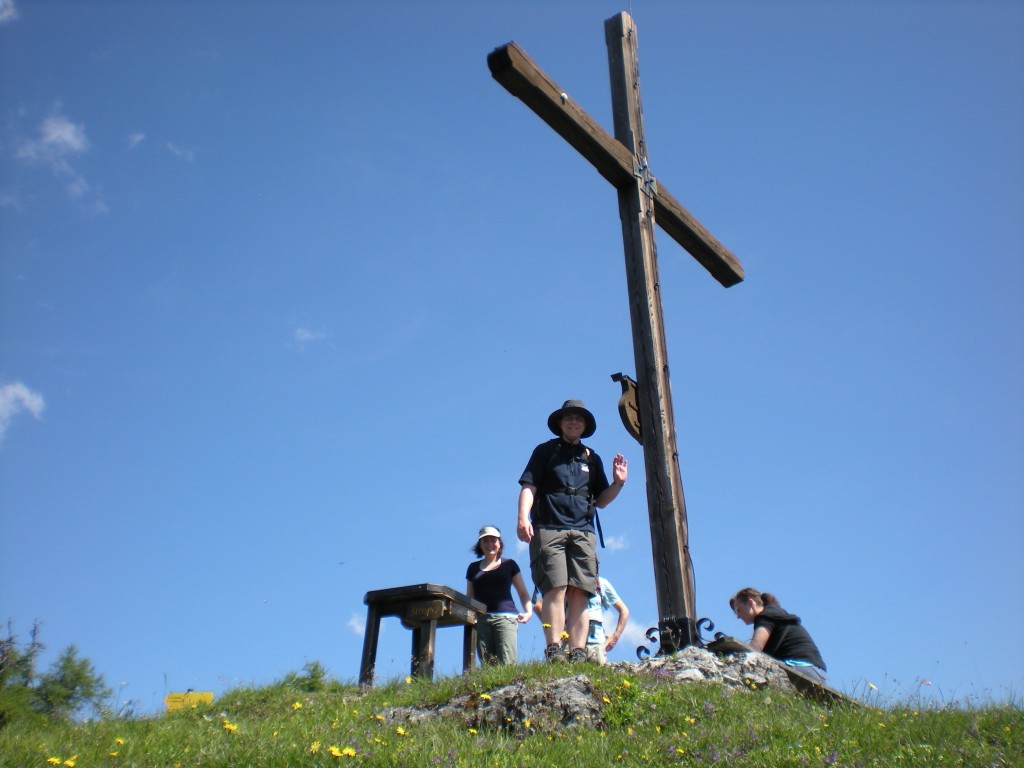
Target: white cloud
{"points": [[304, 337], [135, 139], [15, 398], [78, 187], [184, 154], [63, 135], [59, 141], [635, 636], [357, 624], [97, 206], [7, 11], [615, 543]]}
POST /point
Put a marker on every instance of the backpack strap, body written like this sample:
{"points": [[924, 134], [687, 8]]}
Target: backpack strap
{"points": [[579, 490]]}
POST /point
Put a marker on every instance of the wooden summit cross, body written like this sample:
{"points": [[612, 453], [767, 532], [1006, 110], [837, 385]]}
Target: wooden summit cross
{"points": [[623, 161]]}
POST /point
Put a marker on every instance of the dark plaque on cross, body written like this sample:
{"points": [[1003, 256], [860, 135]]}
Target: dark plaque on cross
{"points": [[643, 200]]}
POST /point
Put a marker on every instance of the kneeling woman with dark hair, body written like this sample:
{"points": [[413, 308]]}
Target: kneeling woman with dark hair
{"points": [[778, 633]]}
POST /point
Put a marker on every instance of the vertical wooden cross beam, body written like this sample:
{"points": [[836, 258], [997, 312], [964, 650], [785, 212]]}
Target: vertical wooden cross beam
{"points": [[642, 202]]}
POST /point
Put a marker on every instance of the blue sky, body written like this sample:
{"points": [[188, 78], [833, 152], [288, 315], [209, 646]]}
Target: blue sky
{"points": [[288, 290]]}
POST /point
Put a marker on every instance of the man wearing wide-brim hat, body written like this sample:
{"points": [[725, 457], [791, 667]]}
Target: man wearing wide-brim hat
{"points": [[563, 484]]}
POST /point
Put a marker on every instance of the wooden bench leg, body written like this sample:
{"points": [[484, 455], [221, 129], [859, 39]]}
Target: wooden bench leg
{"points": [[423, 638], [468, 647], [369, 647]]}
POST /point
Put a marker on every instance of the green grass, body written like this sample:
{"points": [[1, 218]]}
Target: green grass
{"points": [[645, 721]]}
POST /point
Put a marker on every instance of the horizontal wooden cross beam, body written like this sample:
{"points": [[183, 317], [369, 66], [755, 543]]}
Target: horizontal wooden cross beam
{"points": [[519, 74]]}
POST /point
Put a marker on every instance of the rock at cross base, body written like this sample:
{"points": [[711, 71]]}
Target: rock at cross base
{"points": [[750, 670]]}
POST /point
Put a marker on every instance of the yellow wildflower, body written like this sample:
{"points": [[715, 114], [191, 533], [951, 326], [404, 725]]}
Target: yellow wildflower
{"points": [[872, 686], [297, 705], [473, 731], [112, 754], [564, 635], [230, 727], [485, 696], [401, 731], [119, 741], [314, 748], [334, 751], [606, 700], [626, 684], [526, 723], [70, 762], [53, 760], [408, 681], [348, 752]]}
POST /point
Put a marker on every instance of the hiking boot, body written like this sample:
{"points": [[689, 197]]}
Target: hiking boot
{"points": [[576, 655], [554, 652]]}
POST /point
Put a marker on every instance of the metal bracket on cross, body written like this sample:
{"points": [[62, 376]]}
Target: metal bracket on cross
{"points": [[642, 171], [677, 633]]}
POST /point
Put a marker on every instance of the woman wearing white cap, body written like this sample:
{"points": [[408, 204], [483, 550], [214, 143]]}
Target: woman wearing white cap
{"points": [[490, 580]]}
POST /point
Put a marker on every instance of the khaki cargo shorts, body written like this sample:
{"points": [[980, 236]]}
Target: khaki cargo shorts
{"points": [[563, 558]]}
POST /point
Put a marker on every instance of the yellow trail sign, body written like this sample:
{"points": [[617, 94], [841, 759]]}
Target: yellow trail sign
{"points": [[175, 701]]}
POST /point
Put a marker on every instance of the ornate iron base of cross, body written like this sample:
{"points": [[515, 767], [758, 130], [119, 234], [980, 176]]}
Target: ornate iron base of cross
{"points": [[642, 201]]}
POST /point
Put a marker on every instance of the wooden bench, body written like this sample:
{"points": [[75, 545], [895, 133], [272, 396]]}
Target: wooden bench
{"points": [[805, 684], [422, 608]]}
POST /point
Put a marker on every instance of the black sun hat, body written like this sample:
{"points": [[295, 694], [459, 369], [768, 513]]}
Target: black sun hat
{"points": [[573, 406]]}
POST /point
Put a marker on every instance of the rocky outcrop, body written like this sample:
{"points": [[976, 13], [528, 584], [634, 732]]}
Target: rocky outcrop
{"points": [[571, 701]]}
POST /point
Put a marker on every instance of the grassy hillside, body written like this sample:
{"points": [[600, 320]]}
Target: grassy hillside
{"points": [[634, 720]]}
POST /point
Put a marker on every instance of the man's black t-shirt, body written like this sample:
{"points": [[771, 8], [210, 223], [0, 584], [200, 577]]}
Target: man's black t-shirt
{"points": [[563, 474]]}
